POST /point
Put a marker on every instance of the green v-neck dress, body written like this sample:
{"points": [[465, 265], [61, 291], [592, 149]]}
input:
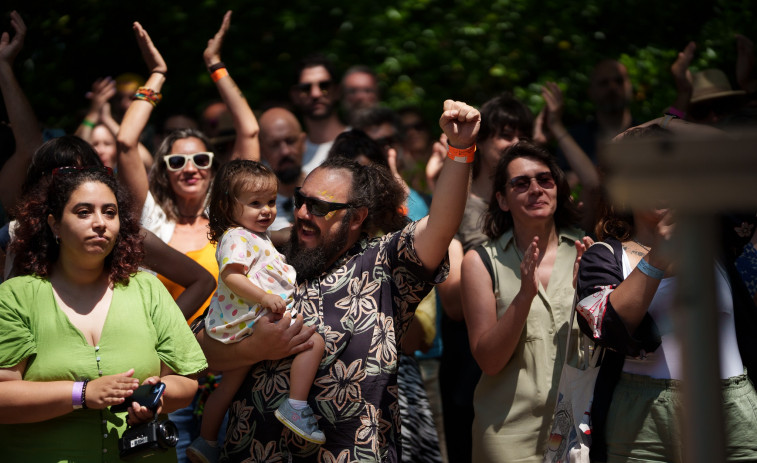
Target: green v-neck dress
{"points": [[143, 328]]}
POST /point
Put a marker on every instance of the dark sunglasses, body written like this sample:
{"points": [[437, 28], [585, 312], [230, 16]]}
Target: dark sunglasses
{"points": [[176, 162], [324, 86], [68, 170], [315, 206], [522, 183]]}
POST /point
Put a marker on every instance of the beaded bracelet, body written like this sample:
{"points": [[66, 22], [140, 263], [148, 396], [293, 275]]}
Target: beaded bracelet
{"points": [[465, 155], [84, 394], [650, 270], [149, 95]]}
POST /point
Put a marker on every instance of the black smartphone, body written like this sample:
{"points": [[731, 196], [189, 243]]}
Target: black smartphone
{"points": [[146, 395]]}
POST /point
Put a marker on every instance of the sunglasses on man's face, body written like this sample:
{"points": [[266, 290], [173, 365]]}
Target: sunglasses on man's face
{"points": [[176, 162], [315, 206], [522, 183], [324, 86]]}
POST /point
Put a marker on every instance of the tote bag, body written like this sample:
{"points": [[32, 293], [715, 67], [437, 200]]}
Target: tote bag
{"points": [[570, 437]]}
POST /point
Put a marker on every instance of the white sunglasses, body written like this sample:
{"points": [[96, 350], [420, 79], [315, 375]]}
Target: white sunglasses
{"points": [[175, 162]]}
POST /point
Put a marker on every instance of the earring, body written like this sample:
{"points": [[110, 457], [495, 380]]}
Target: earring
{"points": [[57, 239]]}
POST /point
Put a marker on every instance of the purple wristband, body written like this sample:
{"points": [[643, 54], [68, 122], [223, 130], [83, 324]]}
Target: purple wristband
{"points": [[76, 395], [676, 112]]}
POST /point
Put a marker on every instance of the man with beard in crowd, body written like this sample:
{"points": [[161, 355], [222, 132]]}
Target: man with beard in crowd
{"points": [[316, 95], [360, 294], [282, 144]]}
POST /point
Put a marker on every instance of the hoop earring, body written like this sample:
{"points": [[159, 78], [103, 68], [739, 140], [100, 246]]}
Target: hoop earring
{"points": [[57, 240]]}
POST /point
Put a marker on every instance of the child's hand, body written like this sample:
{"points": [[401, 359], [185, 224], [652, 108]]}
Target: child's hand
{"points": [[274, 303]]}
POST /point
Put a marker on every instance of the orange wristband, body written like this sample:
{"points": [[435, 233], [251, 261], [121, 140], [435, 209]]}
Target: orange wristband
{"points": [[465, 155], [219, 74]]}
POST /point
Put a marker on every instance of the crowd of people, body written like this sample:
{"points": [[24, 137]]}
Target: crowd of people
{"points": [[324, 280]]}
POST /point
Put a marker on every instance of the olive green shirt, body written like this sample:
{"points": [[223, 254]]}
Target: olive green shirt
{"points": [[514, 408]]}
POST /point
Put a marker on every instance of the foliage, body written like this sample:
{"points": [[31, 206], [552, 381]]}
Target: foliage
{"points": [[423, 50]]}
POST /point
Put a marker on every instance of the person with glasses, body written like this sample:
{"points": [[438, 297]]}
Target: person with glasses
{"points": [[82, 327], [255, 281], [360, 293], [316, 96], [504, 121], [517, 292], [172, 200]]}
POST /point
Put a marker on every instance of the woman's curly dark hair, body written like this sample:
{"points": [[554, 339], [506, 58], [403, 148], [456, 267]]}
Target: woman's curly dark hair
{"points": [[497, 221], [160, 186], [375, 188], [232, 179], [35, 246]]}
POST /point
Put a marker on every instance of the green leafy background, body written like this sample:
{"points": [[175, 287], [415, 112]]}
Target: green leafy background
{"points": [[423, 50]]}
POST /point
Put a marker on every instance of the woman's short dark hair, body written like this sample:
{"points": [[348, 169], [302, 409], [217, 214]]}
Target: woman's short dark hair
{"points": [[497, 221], [232, 179], [35, 244], [160, 186], [500, 112], [375, 188]]}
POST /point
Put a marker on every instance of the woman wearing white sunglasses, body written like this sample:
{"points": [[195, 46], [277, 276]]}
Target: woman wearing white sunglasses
{"points": [[173, 199]]}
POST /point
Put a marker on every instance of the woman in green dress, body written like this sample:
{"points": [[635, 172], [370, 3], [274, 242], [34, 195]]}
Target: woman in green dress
{"points": [[81, 328]]}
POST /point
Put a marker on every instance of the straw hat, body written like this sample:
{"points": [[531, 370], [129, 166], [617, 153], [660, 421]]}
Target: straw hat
{"points": [[710, 84]]}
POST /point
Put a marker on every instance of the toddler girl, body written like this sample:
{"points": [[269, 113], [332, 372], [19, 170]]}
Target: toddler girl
{"points": [[254, 281]]}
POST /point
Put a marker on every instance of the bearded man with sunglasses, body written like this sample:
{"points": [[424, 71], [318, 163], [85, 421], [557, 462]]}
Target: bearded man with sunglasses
{"points": [[316, 95], [360, 294]]}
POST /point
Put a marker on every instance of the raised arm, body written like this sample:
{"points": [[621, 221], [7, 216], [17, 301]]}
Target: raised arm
{"points": [[103, 90], [246, 145], [198, 283], [131, 171], [579, 162], [434, 232], [682, 78], [493, 341], [24, 124]]}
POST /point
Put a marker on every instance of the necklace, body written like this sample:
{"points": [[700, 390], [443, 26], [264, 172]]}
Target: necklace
{"points": [[646, 248]]}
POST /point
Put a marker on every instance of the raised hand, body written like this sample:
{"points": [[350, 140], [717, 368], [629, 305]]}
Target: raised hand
{"points": [[555, 104], [9, 48], [391, 159], [103, 90], [529, 270], [581, 246], [212, 53], [151, 55], [682, 75], [460, 122], [110, 390]]}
